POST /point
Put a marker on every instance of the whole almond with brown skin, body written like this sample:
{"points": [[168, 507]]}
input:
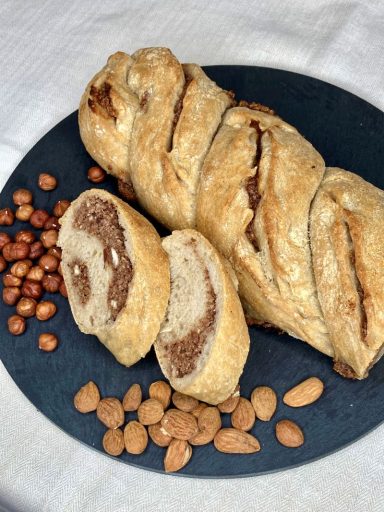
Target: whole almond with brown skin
{"points": [[289, 434], [184, 402], [231, 440], [113, 442], [209, 423], [87, 398], [158, 435], [178, 454], [230, 404], [135, 437], [304, 393], [150, 412], [161, 391], [264, 401], [243, 417], [110, 412], [198, 410], [132, 398], [179, 424]]}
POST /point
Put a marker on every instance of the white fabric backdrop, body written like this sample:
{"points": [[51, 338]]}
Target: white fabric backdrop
{"points": [[49, 50]]}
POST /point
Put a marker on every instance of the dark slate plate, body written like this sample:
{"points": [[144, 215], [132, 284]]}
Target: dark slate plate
{"points": [[349, 133]]}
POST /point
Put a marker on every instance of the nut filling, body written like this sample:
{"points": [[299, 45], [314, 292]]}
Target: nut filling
{"points": [[100, 219], [80, 280], [183, 354]]}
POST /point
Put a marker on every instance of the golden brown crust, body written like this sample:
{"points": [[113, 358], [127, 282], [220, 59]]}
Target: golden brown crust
{"points": [[348, 252], [106, 113], [132, 334], [275, 274]]}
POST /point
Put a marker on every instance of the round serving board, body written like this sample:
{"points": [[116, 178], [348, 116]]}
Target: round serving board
{"points": [[348, 132]]}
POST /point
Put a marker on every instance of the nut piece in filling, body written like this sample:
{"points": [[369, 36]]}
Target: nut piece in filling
{"points": [[99, 218]]}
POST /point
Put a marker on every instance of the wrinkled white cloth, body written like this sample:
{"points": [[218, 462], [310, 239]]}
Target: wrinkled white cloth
{"points": [[49, 50]]}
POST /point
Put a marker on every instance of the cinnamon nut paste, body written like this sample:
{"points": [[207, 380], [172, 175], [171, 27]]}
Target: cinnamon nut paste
{"points": [[99, 218], [252, 188]]}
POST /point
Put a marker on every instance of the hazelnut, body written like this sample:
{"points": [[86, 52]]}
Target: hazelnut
{"points": [[3, 264], [61, 207], [63, 289], [49, 238], [24, 212], [39, 218], [21, 268], [52, 223], [48, 342], [36, 273], [55, 251], [11, 295], [47, 181], [25, 236], [22, 196], [60, 269], [37, 250], [26, 307], [96, 174], [45, 310], [16, 325], [7, 217], [32, 289], [4, 239], [11, 280], [49, 263], [16, 251], [51, 282]]}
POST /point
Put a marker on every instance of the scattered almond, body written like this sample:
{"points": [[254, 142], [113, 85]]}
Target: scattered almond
{"points": [[132, 398], [196, 412], [158, 435], [113, 442], [178, 454], [135, 437], [150, 412], [264, 401], [209, 423], [231, 440], [243, 417], [87, 398], [110, 412], [179, 424], [230, 404], [289, 434], [184, 402], [304, 393], [162, 392]]}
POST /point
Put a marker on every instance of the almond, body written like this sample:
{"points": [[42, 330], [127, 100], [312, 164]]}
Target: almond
{"points": [[243, 417], [161, 391], [304, 393], [184, 402], [231, 440], [209, 423], [178, 454], [135, 437], [132, 398], [158, 435], [179, 424], [150, 412], [264, 401], [110, 412], [289, 434], [113, 442], [87, 398], [230, 404], [196, 412]]}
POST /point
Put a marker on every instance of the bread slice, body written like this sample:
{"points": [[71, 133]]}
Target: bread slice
{"points": [[203, 341], [116, 273], [347, 244]]}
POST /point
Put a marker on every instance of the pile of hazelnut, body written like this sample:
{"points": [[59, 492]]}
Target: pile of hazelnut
{"points": [[30, 266]]}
